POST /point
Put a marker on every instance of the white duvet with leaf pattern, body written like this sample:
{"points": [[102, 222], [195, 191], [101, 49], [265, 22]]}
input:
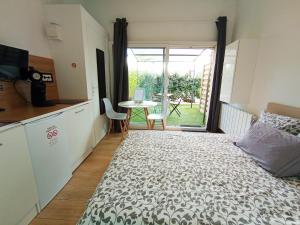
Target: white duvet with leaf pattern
{"points": [[186, 178]]}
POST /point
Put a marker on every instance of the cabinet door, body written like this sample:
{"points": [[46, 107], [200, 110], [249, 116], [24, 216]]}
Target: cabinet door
{"points": [[18, 193], [80, 133]]}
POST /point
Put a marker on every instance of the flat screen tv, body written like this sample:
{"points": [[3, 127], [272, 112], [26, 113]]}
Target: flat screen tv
{"points": [[13, 63]]}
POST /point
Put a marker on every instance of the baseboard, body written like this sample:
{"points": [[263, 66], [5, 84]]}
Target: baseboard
{"points": [[82, 158], [29, 216]]}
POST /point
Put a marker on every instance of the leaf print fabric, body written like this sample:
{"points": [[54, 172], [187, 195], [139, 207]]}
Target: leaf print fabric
{"points": [[177, 178]]}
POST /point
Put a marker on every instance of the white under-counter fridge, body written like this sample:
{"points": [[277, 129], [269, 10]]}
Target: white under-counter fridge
{"points": [[49, 151]]}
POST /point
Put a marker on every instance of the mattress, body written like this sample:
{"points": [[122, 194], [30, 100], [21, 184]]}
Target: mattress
{"points": [[189, 178]]}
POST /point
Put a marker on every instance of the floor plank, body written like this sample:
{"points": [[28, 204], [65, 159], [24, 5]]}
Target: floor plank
{"points": [[69, 204]]}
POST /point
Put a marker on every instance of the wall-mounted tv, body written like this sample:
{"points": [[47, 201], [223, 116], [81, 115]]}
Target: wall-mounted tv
{"points": [[13, 63]]}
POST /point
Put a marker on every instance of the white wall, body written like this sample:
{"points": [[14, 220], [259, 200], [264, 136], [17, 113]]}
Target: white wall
{"points": [[277, 75], [167, 20], [22, 26]]}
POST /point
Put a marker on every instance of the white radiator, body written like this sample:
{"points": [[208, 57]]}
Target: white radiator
{"points": [[234, 121]]}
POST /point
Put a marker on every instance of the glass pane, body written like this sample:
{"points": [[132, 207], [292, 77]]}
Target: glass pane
{"points": [[182, 58], [149, 58], [185, 71], [147, 51], [146, 69], [189, 51]]}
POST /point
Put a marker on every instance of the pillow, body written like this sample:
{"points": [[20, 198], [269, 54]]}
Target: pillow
{"points": [[276, 151], [285, 123]]}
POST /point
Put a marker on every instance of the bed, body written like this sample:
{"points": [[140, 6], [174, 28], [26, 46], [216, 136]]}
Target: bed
{"points": [[173, 177]]}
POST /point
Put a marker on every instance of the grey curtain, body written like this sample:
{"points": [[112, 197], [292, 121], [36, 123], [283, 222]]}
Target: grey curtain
{"points": [[215, 104], [120, 66]]}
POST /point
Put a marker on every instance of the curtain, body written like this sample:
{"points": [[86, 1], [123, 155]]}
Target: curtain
{"points": [[215, 104], [121, 88]]}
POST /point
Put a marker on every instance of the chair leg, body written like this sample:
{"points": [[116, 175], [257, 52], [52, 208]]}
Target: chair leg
{"points": [[163, 124], [110, 126], [146, 117], [122, 129], [152, 124], [125, 126], [129, 111]]}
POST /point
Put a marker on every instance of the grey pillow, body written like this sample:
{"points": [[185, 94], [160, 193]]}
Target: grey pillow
{"points": [[276, 151], [285, 123]]}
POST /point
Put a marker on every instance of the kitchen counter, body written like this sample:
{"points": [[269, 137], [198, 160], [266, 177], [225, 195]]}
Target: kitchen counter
{"points": [[28, 113]]}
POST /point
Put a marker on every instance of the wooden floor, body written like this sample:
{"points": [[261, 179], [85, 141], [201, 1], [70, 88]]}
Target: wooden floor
{"points": [[69, 204]]}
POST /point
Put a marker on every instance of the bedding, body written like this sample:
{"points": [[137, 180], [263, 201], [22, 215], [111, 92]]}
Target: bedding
{"points": [[281, 122], [189, 178], [274, 150]]}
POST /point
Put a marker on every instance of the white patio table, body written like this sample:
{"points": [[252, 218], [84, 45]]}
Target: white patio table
{"points": [[144, 105]]}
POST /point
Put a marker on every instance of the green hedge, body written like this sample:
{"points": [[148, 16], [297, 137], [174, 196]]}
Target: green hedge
{"points": [[184, 87]]}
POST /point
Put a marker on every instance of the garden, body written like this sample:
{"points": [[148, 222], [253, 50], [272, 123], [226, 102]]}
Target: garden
{"points": [[183, 87]]}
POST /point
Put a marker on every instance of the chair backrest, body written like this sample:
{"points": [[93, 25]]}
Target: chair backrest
{"points": [[108, 107], [139, 94], [166, 111], [157, 98]]}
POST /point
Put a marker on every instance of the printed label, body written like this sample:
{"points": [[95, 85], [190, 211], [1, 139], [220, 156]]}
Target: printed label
{"points": [[52, 134]]}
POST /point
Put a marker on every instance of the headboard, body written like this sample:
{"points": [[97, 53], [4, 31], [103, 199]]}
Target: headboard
{"points": [[283, 110]]}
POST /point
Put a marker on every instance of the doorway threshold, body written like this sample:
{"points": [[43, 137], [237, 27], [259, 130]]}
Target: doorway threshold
{"points": [[187, 128], [140, 126]]}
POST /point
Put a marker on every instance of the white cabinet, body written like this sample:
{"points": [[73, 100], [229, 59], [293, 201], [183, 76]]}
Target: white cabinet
{"points": [[49, 151], [75, 57], [80, 133], [94, 38], [18, 194], [238, 71]]}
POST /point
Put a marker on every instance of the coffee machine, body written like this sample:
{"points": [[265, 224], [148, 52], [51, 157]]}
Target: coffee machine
{"points": [[38, 89]]}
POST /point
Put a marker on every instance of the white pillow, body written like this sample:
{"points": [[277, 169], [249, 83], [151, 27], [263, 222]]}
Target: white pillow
{"points": [[285, 123]]}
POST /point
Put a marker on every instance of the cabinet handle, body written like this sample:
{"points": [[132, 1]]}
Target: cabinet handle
{"points": [[79, 111]]}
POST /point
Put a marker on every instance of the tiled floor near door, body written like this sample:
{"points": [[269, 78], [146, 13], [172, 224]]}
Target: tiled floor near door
{"points": [[69, 204]]}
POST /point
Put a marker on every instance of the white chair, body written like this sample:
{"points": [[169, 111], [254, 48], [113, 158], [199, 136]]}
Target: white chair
{"points": [[159, 116], [114, 116]]}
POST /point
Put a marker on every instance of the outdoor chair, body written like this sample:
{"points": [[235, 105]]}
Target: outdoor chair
{"points": [[174, 105]]}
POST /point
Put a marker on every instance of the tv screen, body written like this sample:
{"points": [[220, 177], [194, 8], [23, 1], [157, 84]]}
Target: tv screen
{"points": [[13, 63]]}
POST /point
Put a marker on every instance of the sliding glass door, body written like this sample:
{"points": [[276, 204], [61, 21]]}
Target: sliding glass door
{"points": [[176, 78]]}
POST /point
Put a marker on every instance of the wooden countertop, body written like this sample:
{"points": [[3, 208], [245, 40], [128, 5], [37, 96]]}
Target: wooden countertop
{"points": [[27, 111]]}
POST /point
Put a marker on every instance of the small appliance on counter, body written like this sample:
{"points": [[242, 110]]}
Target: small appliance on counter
{"points": [[38, 89], [14, 67]]}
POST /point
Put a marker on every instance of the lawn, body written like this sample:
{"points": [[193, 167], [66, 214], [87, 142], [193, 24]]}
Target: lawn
{"points": [[189, 116]]}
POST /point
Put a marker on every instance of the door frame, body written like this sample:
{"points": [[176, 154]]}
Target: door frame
{"points": [[167, 45]]}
